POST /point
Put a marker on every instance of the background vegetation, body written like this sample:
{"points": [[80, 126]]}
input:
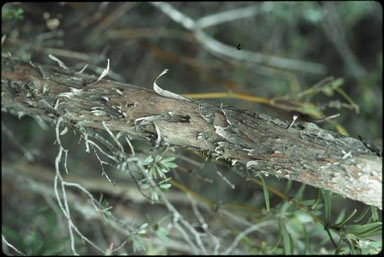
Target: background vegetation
{"points": [[344, 39]]}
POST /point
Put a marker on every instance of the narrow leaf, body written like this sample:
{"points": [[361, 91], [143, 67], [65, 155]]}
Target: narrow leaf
{"points": [[346, 219], [363, 213], [375, 215], [327, 205], [317, 194], [266, 195], [168, 159]]}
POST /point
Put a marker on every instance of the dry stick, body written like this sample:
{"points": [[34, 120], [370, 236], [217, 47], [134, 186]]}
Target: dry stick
{"points": [[304, 153], [64, 205], [11, 246], [35, 184]]}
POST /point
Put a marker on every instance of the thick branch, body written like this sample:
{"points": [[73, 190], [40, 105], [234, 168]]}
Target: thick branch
{"points": [[304, 152]]}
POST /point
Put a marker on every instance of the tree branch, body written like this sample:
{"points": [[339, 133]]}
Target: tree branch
{"points": [[253, 141]]}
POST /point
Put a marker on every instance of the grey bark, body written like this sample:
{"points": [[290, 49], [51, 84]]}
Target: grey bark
{"points": [[247, 139]]}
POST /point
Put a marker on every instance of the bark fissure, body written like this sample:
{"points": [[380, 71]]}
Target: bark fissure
{"points": [[304, 152]]}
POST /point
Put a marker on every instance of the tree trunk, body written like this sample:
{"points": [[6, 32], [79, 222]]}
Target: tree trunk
{"points": [[304, 152]]}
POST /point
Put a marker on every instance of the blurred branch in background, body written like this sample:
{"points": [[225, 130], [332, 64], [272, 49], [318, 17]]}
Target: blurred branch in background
{"points": [[226, 51], [334, 30]]}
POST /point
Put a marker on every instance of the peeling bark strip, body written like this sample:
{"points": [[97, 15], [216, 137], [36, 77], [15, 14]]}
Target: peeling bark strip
{"points": [[304, 152]]}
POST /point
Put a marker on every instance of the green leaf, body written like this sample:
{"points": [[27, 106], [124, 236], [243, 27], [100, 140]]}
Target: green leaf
{"points": [[55, 247], [164, 150], [351, 245], [311, 110], [162, 166], [287, 187], [266, 195], [162, 234], [370, 247], [143, 226], [36, 243], [329, 87], [143, 229], [152, 172], [12, 236], [145, 186], [148, 160], [284, 207], [375, 215], [363, 213], [7, 13], [276, 244], [306, 240], [287, 243], [363, 230], [168, 164], [346, 219], [340, 217], [154, 196], [168, 159], [137, 244], [165, 187], [327, 205], [317, 194], [164, 181], [299, 193], [171, 165], [160, 172], [306, 202], [340, 244]]}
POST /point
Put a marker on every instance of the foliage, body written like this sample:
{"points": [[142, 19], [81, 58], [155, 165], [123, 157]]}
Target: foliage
{"points": [[9, 14], [157, 167], [43, 241]]}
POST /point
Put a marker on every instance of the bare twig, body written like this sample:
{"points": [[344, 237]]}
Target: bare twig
{"points": [[11, 246]]}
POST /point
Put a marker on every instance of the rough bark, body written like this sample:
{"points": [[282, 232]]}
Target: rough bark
{"points": [[304, 152]]}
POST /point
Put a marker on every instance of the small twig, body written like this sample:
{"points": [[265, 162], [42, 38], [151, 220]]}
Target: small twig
{"points": [[130, 145], [11, 246], [82, 70], [225, 179], [326, 118], [294, 118], [58, 176], [59, 62], [158, 140], [346, 155], [102, 167], [113, 136]]}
